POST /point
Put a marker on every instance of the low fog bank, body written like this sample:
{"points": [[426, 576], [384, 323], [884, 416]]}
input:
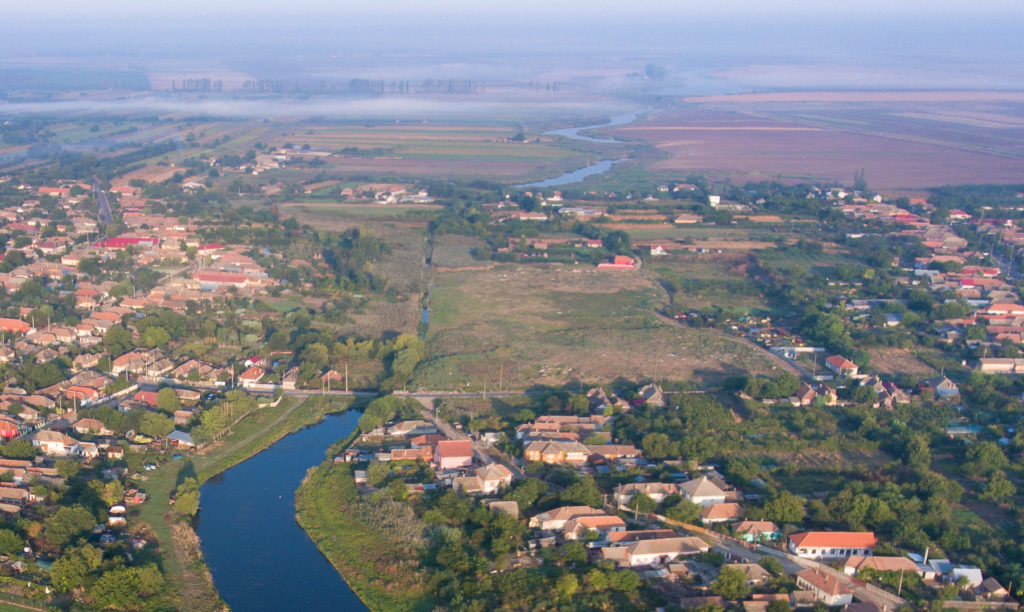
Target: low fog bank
{"points": [[376, 109]]}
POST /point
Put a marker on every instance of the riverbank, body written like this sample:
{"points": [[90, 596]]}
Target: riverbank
{"points": [[385, 573], [183, 562]]}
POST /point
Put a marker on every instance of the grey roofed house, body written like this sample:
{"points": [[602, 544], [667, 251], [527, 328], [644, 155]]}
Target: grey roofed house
{"points": [[702, 491], [181, 438]]}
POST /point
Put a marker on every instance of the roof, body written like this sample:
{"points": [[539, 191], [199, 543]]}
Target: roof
{"points": [[666, 546], [599, 521], [722, 512], [566, 513], [840, 362], [701, 487], [455, 448], [834, 539], [882, 564], [824, 583], [756, 527]]}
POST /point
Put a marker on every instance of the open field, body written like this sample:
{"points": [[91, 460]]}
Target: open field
{"points": [[899, 361], [520, 325], [898, 149], [708, 280], [434, 150]]}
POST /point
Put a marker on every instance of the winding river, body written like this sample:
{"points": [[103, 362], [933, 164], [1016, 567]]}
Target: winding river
{"points": [[573, 133], [259, 556]]}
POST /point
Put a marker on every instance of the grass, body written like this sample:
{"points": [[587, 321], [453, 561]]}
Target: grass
{"points": [[383, 572], [515, 326], [187, 572]]}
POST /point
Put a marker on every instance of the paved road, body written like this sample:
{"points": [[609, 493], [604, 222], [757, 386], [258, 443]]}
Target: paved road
{"points": [[484, 453]]}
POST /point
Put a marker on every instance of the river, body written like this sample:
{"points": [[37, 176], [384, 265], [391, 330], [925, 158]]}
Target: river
{"points": [[573, 133], [259, 556]]}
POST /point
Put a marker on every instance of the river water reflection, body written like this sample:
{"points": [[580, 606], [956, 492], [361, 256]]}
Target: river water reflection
{"points": [[259, 556]]}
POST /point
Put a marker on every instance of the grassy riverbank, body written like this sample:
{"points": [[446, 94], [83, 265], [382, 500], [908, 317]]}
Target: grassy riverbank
{"points": [[183, 563], [382, 571]]}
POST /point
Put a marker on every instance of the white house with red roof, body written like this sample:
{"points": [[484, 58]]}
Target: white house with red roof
{"points": [[251, 376], [451, 454], [832, 544], [841, 366]]}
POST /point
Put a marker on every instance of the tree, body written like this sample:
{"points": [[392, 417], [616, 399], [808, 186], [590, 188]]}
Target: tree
{"points": [[998, 488], [574, 552], [10, 542], [785, 508], [118, 589], [685, 512], [19, 448], [167, 400], [66, 523], [153, 424], [731, 584], [985, 458], [527, 493], [584, 492], [186, 498], [566, 586], [617, 241], [656, 445], [118, 341], [155, 337], [376, 473], [113, 492], [641, 502], [778, 606]]}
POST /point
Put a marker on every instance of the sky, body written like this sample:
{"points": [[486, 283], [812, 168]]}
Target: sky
{"points": [[967, 44]]}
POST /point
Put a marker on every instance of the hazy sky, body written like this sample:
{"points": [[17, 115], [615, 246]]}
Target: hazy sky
{"points": [[200, 9], [518, 39]]}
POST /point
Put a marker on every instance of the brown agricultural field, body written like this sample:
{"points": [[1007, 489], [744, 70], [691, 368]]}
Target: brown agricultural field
{"points": [[900, 146], [899, 361]]}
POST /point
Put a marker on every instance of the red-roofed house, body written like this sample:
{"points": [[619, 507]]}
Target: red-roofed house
{"points": [[16, 326], [832, 544], [826, 588], [620, 262], [578, 528], [450, 454], [841, 365], [146, 397], [251, 376], [221, 278]]}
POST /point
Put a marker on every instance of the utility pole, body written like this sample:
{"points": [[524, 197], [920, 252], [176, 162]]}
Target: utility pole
{"points": [[346, 378]]}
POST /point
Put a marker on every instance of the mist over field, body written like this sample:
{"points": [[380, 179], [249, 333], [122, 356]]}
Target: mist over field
{"points": [[731, 47]]}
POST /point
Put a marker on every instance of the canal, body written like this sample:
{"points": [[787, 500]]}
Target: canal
{"points": [[259, 556]]}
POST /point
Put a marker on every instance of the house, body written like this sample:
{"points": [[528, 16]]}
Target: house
{"points": [[990, 589], [54, 443], [841, 366], [180, 438], [857, 563], [549, 451], [578, 528], [942, 387], [757, 531], [826, 588], [621, 538], [85, 426], [654, 552], [755, 573], [657, 491], [407, 429], [451, 454], [702, 492], [251, 376], [652, 395], [619, 262], [556, 518], [487, 479], [831, 544], [805, 395], [722, 513]]}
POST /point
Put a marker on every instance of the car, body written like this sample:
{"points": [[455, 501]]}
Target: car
{"points": [[150, 467]]}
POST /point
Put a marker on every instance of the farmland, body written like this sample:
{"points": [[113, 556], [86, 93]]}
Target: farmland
{"points": [[902, 145]]}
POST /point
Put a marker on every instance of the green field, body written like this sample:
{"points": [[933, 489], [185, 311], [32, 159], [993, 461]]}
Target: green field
{"points": [[515, 326]]}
